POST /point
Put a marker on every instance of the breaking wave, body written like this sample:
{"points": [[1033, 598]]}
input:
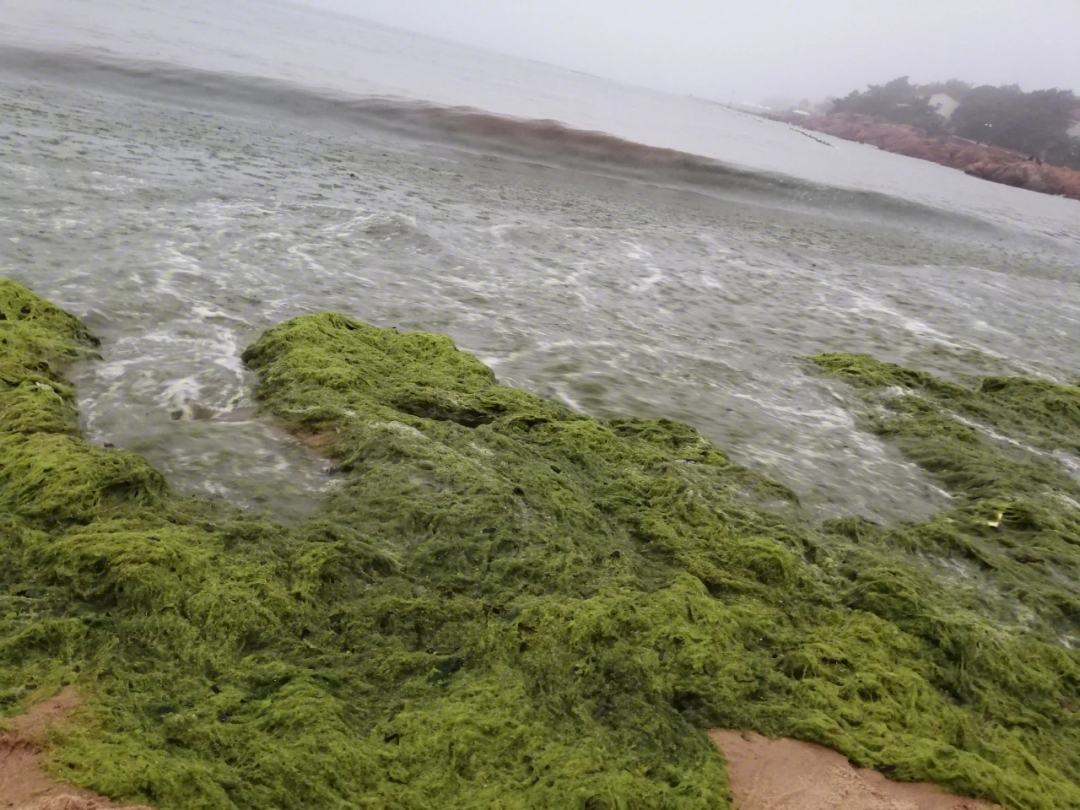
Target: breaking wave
{"points": [[543, 140]]}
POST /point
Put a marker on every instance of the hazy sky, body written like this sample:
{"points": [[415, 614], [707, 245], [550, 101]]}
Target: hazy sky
{"points": [[759, 48]]}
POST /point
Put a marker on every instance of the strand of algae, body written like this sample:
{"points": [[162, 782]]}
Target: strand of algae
{"points": [[506, 605]]}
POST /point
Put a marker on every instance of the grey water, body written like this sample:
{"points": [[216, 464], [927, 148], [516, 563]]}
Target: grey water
{"points": [[183, 184]]}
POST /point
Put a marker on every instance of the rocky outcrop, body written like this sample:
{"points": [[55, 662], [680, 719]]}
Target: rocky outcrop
{"points": [[979, 160]]}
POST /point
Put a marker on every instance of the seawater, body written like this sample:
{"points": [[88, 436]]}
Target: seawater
{"points": [[184, 178]]}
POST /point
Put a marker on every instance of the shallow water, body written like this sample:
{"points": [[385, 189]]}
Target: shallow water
{"points": [[181, 212]]}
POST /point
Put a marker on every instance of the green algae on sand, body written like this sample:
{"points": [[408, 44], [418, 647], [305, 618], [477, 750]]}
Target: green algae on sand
{"points": [[505, 604]]}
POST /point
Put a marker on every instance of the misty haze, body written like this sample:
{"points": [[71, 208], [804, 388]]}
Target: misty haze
{"points": [[564, 405]]}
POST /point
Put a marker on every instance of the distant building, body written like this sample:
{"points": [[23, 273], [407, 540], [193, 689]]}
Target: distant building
{"points": [[1074, 130], [943, 104]]}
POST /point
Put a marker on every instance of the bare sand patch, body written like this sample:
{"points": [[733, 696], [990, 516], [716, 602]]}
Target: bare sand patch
{"points": [[792, 775], [23, 783]]}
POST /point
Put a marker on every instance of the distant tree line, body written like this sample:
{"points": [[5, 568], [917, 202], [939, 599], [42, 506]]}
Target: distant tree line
{"points": [[1034, 123]]}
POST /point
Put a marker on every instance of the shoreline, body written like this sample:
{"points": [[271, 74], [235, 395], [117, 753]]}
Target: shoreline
{"points": [[985, 162]]}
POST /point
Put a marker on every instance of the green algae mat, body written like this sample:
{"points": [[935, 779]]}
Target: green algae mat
{"points": [[506, 604]]}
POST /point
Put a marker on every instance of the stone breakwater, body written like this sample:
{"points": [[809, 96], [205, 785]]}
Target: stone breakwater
{"points": [[508, 603], [979, 160]]}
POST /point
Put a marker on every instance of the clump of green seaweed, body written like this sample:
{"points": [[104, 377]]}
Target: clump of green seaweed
{"points": [[996, 447], [508, 604]]}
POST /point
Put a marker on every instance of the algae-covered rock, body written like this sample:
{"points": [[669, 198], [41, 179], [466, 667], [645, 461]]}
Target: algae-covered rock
{"points": [[46, 470], [34, 335], [508, 604], [479, 487]]}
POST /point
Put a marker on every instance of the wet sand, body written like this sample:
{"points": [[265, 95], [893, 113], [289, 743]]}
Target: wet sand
{"points": [[23, 782], [793, 775]]}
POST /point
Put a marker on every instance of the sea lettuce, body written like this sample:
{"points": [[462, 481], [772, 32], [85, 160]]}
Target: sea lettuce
{"points": [[509, 604]]}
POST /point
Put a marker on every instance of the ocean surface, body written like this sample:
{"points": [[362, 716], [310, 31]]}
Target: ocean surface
{"points": [[184, 177]]}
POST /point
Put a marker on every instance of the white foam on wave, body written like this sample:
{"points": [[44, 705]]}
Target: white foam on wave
{"points": [[177, 392], [826, 418]]}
